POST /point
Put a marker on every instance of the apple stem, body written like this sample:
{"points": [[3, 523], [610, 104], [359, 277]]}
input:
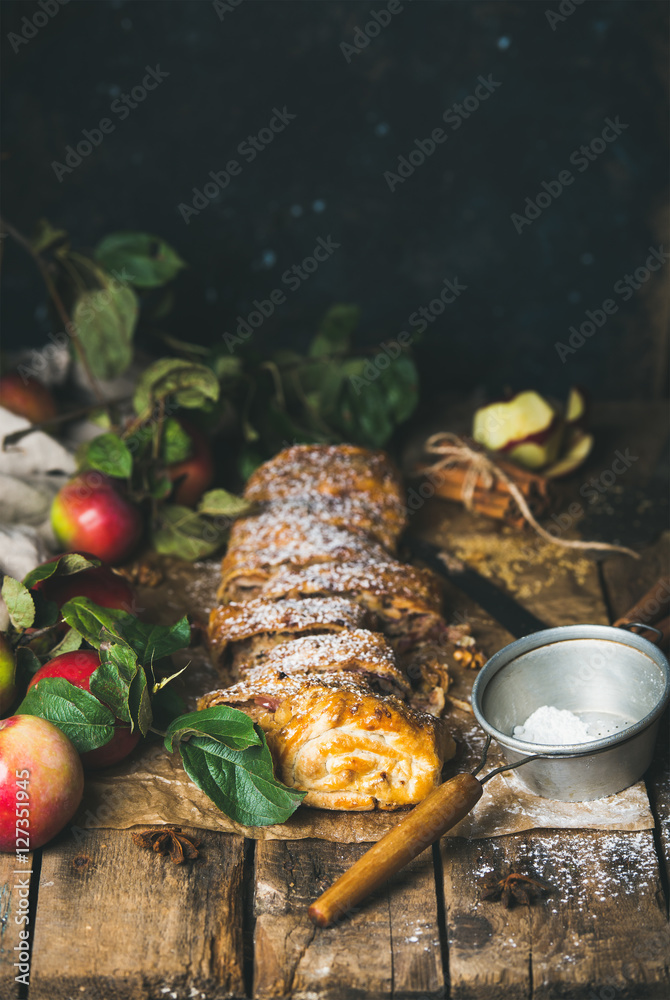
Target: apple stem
{"points": [[70, 329], [156, 446]]}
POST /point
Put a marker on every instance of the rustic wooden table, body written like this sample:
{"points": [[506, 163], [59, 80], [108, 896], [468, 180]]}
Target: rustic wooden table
{"points": [[111, 921]]}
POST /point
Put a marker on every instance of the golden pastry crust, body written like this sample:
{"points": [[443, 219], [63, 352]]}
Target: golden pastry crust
{"points": [[236, 623], [307, 577], [290, 536], [350, 748], [284, 669], [332, 470], [406, 599], [350, 512]]}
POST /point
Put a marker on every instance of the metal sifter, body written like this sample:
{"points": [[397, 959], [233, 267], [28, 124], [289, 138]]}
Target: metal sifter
{"points": [[614, 680]]}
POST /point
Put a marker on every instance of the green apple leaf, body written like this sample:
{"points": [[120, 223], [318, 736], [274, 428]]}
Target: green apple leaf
{"points": [[150, 261], [241, 783], [221, 502], [109, 454], [176, 444], [179, 531], [20, 605], [148, 642], [221, 723], [78, 714], [46, 612], [111, 681], [105, 320], [70, 642], [65, 565], [139, 703], [27, 665], [190, 384], [335, 331]]}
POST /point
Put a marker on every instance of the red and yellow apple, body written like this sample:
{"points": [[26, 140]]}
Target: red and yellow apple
{"points": [[41, 782], [77, 667], [89, 513], [27, 397]]}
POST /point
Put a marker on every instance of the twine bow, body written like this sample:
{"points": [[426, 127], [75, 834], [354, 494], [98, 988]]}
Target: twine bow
{"points": [[481, 470]]}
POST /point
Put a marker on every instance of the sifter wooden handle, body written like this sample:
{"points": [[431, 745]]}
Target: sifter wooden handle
{"points": [[426, 823]]}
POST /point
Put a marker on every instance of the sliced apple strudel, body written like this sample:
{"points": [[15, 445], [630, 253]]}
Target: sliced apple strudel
{"points": [[345, 744], [307, 586], [309, 472]]}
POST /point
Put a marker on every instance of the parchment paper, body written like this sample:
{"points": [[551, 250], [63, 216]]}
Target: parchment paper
{"points": [[151, 787], [154, 789]]}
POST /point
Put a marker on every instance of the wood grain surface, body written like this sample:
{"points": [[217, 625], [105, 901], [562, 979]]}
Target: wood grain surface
{"points": [[118, 923], [388, 947], [14, 879], [128, 924]]}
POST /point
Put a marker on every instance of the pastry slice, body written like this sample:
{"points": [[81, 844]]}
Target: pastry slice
{"points": [[291, 537], [350, 512], [406, 599], [326, 470], [350, 748], [241, 635], [286, 668]]}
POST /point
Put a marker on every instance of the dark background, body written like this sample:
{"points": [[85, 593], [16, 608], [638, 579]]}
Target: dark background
{"points": [[324, 175]]}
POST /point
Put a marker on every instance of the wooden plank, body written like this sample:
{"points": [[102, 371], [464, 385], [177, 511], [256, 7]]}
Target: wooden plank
{"points": [[624, 584], [116, 921], [589, 940], [390, 946], [489, 947], [15, 885], [603, 927]]}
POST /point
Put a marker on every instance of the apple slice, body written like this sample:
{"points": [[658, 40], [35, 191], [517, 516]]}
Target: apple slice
{"points": [[526, 428], [578, 447], [575, 409]]}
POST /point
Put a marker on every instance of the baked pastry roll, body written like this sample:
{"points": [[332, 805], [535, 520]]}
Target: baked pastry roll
{"points": [[328, 470], [407, 600], [241, 635], [350, 748], [286, 668], [349, 512], [291, 537]]}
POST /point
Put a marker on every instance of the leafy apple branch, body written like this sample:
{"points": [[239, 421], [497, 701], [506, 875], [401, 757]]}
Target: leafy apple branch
{"points": [[222, 750]]}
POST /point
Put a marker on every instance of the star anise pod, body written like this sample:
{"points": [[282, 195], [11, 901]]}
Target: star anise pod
{"points": [[520, 888], [169, 840]]}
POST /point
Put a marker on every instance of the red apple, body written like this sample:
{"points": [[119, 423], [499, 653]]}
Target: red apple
{"points": [[90, 514], [27, 397], [41, 782], [77, 668], [194, 474], [99, 583], [7, 675]]}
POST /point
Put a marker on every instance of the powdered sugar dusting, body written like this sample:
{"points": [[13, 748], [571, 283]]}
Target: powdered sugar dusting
{"points": [[553, 725], [584, 870]]}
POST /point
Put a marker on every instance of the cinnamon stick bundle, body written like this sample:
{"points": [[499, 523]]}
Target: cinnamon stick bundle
{"points": [[495, 500]]}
